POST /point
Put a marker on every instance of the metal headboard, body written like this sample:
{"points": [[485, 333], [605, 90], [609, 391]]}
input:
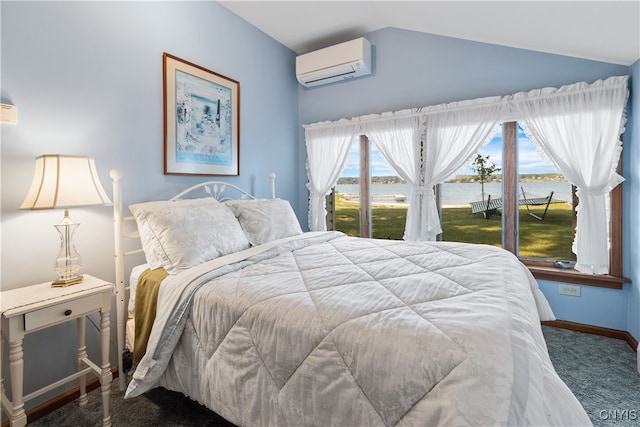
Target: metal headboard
{"points": [[219, 190]]}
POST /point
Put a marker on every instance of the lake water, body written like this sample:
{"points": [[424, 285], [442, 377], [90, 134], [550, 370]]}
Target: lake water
{"points": [[458, 194]]}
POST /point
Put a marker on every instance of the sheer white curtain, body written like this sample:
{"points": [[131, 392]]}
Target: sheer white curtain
{"points": [[397, 136], [327, 151], [454, 133], [577, 127]]}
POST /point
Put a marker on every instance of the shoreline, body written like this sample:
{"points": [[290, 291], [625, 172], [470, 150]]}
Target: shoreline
{"points": [[356, 201]]}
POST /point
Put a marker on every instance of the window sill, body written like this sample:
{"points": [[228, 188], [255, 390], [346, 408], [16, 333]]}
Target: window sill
{"points": [[544, 272]]}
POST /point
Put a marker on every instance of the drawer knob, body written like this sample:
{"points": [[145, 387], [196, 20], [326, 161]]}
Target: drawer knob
{"points": [[67, 312]]}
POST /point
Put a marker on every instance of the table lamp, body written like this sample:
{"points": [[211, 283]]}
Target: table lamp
{"points": [[64, 181]]}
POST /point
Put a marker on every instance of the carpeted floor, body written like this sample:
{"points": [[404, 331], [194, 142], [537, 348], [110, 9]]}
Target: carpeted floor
{"points": [[158, 407], [601, 372]]}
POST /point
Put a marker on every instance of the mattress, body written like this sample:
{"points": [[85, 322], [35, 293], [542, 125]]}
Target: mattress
{"points": [[133, 282], [130, 326]]}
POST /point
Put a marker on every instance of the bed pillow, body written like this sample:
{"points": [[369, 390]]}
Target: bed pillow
{"points": [[264, 220], [146, 234], [182, 235]]}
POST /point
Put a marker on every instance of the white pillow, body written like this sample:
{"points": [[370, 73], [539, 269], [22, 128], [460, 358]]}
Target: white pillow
{"points": [[183, 235], [264, 220], [147, 239]]}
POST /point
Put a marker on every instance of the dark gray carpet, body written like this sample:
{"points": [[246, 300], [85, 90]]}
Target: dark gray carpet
{"points": [[158, 407], [600, 371]]}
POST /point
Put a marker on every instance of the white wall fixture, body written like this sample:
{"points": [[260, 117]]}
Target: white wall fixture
{"points": [[334, 63], [9, 114]]}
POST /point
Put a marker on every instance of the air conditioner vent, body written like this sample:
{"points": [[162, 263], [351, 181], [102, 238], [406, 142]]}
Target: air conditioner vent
{"points": [[335, 63]]}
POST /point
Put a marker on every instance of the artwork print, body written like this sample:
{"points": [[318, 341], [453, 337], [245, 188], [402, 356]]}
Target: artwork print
{"points": [[201, 120]]}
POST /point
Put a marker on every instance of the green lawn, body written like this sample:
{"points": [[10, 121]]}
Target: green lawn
{"points": [[550, 238]]}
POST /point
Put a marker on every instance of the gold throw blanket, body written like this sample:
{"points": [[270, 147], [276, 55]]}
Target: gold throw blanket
{"points": [[145, 308]]}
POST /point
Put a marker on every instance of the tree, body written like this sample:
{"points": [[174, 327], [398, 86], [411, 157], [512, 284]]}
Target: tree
{"points": [[483, 169]]}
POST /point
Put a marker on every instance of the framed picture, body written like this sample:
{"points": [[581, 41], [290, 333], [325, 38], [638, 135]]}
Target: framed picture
{"points": [[201, 120]]}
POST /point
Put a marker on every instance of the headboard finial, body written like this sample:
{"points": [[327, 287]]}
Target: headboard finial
{"points": [[272, 184], [116, 174]]}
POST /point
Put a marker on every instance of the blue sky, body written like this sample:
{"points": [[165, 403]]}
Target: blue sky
{"points": [[530, 161]]}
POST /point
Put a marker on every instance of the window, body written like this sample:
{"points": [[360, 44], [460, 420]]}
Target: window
{"points": [[544, 269], [539, 233], [383, 213], [471, 202]]}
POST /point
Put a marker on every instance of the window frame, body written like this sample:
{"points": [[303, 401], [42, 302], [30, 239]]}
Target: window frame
{"points": [[615, 279], [542, 269]]}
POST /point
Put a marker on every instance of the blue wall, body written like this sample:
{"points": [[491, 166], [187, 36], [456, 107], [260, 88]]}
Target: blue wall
{"points": [[87, 79], [414, 69]]}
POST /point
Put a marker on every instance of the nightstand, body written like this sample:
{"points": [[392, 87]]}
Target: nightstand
{"points": [[32, 308]]}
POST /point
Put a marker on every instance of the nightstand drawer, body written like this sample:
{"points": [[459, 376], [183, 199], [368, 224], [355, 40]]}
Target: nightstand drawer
{"points": [[61, 312]]}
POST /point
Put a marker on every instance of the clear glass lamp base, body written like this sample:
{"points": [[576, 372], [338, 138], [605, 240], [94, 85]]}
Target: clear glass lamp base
{"points": [[68, 263]]}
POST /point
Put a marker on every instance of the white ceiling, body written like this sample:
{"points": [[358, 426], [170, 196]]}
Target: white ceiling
{"points": [[606, 31]]}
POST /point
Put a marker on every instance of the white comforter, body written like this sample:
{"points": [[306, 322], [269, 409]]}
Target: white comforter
{"points": [[329, 330]]}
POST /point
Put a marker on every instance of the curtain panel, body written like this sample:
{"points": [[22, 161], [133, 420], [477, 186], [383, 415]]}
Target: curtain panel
{"points": [[327, 151], [577, 128], [397, 136], [454, 133]]}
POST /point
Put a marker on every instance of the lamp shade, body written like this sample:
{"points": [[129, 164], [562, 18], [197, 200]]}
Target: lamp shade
{"points": [[62, 181]]}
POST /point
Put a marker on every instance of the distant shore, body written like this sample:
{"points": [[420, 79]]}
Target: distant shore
{"points": [[495, 178], [355, 199]]}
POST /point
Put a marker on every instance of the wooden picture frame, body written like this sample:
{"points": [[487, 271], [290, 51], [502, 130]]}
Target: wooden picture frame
{"points": [[201, 120]]}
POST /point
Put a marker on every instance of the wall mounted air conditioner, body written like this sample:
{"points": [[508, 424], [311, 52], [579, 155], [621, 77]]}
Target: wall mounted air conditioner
{"points": [[331, 64]]}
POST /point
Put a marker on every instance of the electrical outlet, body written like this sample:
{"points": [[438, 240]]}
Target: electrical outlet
{"points": [[572, 290]]}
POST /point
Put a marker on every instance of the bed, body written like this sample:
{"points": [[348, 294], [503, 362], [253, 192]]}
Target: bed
{"points": [[321, 329]]}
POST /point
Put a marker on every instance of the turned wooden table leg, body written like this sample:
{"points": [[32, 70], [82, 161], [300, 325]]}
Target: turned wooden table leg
{"points": [[82, 353], [106, 377], [16, 369]]}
